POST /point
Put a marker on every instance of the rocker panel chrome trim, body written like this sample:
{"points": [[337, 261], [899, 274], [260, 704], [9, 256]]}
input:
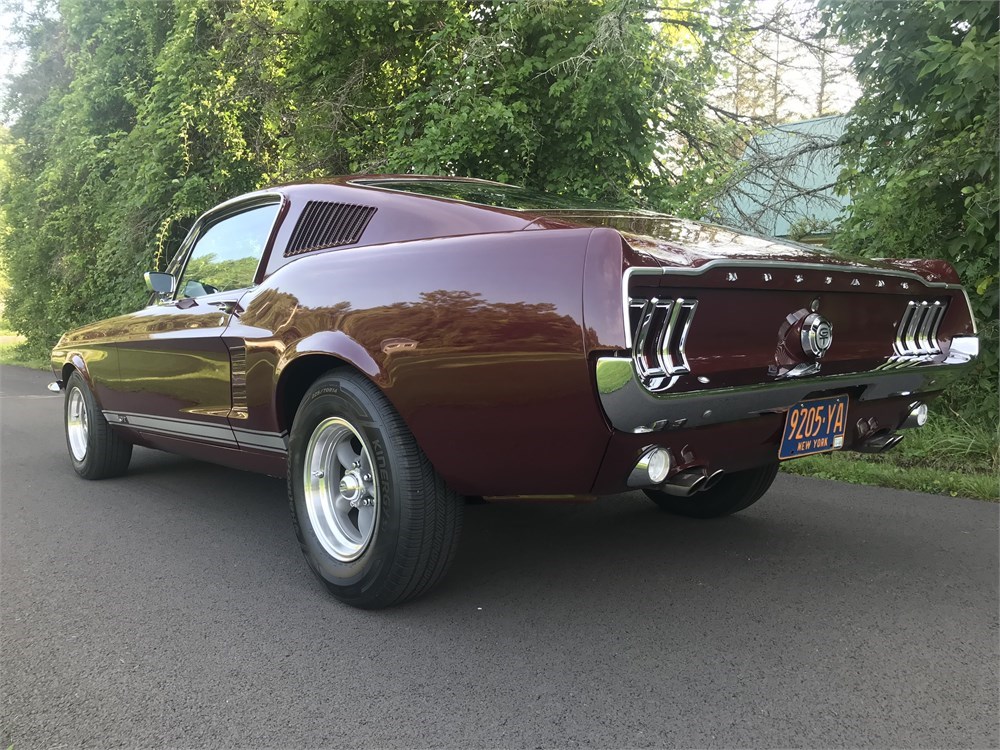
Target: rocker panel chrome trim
{"points": [[269, 441], [217, 434]]}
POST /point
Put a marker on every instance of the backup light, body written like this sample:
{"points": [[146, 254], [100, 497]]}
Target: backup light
{"points": [[658, 465], [652, 467], [916, 418]]}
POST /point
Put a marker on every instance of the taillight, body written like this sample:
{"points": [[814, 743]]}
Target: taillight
{"points": [[916, 336], [659, 335]]}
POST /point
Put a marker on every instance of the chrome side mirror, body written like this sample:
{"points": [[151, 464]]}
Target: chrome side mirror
{"points": [[161, 283]]}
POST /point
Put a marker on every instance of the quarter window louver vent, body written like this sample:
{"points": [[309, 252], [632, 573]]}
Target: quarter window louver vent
{"points": [[917, 334], [325, 224], [659, 337]]}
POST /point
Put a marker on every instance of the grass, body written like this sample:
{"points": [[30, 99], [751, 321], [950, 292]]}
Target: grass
{"points": [[948, 456], [13, 351]]}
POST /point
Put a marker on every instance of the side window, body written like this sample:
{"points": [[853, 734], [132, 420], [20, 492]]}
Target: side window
{"points": [[226, 255]]}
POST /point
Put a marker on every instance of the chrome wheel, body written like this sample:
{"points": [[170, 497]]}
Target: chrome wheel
{"points": [[77, 424], [341, 492]]}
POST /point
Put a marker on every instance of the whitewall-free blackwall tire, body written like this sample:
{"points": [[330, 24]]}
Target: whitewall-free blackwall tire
{"points": [[374, 520], [96, 450], [733, 493]]}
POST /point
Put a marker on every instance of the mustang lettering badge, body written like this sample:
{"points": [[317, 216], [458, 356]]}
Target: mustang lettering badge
{"points": [[817, 335]]}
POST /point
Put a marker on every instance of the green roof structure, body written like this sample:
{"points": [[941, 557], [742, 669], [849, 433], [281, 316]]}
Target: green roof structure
{"points": [[785, 184]]}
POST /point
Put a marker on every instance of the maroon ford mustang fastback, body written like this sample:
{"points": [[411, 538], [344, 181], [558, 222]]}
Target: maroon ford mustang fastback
{"points": [[392, 344]]}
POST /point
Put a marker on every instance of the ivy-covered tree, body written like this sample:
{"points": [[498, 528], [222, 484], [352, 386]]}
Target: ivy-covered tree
{"points": [[921, 150], [74, 108], [133, 116], [604, 99]]}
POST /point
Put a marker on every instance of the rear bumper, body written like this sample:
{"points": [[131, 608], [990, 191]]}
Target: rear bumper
{"points": [[632, 408], [736, 446]]}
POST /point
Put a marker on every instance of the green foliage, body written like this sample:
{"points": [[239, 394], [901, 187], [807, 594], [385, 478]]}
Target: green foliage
{"points": [[75, 105], [232, 273], [805, 227], [921, 150], [600, 99], [847, 467], [949, 456], [134, 116], [14, 351], [6, 152]]}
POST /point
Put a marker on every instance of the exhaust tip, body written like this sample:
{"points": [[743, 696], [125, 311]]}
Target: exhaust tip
{"points": [[685, 484], [712, 479], [892, 442], [883, 441], [916, 418]]}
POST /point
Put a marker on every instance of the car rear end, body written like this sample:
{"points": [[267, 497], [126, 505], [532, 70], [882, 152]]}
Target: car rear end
{"points": [[722, 356]]}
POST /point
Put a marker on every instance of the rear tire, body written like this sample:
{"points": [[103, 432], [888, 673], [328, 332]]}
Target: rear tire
{"points": [[96, 450], [374, 520], [733, 493]]}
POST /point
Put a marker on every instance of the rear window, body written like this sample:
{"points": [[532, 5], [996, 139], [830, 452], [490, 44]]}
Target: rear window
{"points": [[493, 194]]}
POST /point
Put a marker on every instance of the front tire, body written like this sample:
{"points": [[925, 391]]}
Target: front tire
{"points": [[733, 493], [96, 450], [374, 520]]}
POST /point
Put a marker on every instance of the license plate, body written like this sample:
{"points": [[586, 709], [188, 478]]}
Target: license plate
{"points": [[814, 426]]}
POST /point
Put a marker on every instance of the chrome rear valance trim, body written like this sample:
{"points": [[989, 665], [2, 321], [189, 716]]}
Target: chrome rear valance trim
{"points": [[633, 408]]}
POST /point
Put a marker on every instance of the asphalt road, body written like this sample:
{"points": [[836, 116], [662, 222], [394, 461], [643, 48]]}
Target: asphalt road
{"points": [[171, 608]]}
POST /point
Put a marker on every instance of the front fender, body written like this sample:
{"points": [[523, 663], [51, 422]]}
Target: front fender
{"points": [[63, 361]]}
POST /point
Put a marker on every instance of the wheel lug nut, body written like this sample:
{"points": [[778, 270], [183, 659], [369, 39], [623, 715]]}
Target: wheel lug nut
{"points": [[367, 477]]}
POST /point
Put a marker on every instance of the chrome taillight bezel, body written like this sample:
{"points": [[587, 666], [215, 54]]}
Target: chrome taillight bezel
{"points": [[917, 332], [660, 329]]}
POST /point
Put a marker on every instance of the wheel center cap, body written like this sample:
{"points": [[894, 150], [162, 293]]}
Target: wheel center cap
{"points": [[351, 486]]}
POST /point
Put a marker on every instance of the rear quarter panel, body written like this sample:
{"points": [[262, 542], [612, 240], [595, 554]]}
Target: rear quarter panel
{"points": [[478, 342]]}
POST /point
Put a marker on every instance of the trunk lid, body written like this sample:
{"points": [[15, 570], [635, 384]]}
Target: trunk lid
{"points": [[707, 307]]}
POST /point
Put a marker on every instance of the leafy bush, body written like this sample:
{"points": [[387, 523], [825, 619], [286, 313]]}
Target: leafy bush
{"points": [[133, 117], [921, 152]]}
